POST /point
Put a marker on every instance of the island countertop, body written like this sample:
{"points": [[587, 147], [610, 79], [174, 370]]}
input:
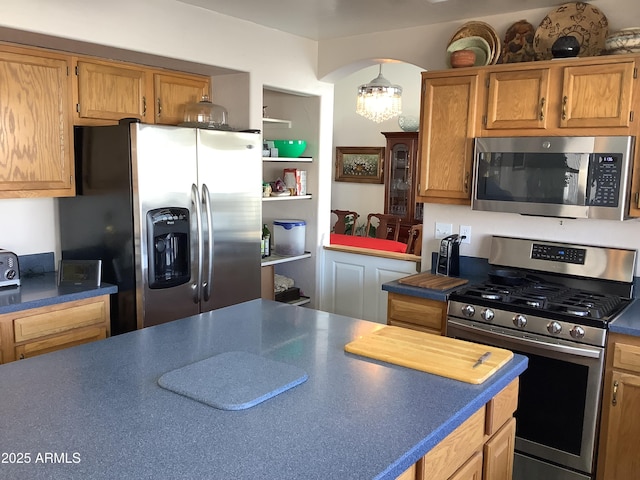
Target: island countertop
{"points": [[98, 412]]}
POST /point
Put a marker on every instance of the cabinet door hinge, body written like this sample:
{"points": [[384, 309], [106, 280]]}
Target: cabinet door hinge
{"points": [[67, 70], [631, 116], [635, 72], [76, 70], [78, 107], [486, 82], [484, 120]]}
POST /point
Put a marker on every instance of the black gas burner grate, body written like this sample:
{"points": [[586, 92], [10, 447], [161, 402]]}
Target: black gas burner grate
{"points": [[542, 297]]}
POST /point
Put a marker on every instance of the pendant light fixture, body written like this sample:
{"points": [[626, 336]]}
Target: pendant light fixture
{"points": [[378, 100]]}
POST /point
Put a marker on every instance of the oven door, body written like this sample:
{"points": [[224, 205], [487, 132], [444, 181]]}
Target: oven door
{"points": [[559, 399]]}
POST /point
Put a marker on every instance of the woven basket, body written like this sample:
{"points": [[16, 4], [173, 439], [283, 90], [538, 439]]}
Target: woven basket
{"points": [[484, 30]]}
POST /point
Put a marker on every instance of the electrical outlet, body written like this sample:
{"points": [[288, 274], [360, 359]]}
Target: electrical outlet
{"points": [[465, 230], [443, 230]]}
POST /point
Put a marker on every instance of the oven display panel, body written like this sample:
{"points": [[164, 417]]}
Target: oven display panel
{"points": [[558, 254]]}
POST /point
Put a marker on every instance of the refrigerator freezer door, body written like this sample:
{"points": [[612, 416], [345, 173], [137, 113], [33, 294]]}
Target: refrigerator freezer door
{"points": [[164, 173], [230, 185]]}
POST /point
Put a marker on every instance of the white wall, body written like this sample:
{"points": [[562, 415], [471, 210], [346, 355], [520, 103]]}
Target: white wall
{"points": [[425, 48], [169, 28], [353, 130], [165, 28]]}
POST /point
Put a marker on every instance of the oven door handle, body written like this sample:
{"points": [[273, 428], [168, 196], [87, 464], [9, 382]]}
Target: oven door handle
{"points": [[553, 347]]}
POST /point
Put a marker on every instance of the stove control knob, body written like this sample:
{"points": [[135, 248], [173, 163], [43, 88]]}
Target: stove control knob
{"points": [[554, 328], [520, 321], [469, 310], [577, 332], [487, 314]]}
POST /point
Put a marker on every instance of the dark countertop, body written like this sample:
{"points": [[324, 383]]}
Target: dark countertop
{"points": [[628, 322], [99, 404], [396, 287], [43, 290], [471, 268]]}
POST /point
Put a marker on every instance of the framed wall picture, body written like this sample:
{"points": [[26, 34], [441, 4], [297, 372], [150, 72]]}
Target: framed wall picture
{"points": [[359, 164]]}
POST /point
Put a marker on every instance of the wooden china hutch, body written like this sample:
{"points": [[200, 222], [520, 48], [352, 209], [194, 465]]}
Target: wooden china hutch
{"points": [[400, 173]]}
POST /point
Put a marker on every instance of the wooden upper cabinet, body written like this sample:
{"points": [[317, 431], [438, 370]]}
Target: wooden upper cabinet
{"points": [[597, 95], [592, 93], [517, 99], [173, 92], [448, 124], [110, 91], [35, 124]]}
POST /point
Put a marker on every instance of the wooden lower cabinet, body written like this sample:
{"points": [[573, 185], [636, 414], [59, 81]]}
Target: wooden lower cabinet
{"points": [[417, 313], [618, 457], [498, 452], [481, 448], [32, 332]]}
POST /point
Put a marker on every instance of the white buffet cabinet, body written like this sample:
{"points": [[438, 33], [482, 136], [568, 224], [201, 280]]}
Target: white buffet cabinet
{"points": [[352, 280]]}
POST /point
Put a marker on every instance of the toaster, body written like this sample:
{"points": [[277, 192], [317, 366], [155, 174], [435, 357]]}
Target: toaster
{"points": [[9, 269]]}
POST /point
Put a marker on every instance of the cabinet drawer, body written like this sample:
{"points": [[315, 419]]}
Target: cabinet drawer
{"points": [[417, 311], [59, 319], [413, 326], [501, 407], [626, 357], [66, 340]]}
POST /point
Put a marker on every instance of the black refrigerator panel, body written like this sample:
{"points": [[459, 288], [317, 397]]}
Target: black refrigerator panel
{"points": [[97, 224]]}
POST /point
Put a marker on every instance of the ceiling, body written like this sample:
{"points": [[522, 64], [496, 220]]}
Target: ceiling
{"points": [[325, 19]]}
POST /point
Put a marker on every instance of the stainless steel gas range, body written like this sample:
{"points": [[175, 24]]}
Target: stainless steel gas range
{"points": [[551, 302]]}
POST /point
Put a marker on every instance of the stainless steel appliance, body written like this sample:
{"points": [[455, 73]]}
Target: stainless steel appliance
{"points": [[174, 213], [449, 256], [9, 269], [576, 177], [551, 302]]}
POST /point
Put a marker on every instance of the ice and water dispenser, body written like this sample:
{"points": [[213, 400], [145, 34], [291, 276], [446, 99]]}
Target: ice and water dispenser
{"points": [[168, 247]]}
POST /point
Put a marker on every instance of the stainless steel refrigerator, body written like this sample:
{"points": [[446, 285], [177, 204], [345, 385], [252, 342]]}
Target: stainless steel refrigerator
{"points": [[174, 214]]}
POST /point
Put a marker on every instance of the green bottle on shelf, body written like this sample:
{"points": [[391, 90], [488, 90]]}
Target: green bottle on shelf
{"points": [[266, 238]]}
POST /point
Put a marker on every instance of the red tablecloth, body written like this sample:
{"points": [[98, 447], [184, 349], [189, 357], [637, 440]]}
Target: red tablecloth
{"points": [[367, 242]]}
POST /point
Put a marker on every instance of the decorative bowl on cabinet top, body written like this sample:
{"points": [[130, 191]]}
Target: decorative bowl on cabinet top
{"points": [[626, 40]]}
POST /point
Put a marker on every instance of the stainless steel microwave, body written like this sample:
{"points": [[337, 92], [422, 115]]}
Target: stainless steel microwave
{"points": [[571, 177]]}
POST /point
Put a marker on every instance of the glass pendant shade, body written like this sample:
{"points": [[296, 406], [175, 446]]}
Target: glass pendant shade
{"points": [[378, 100]]}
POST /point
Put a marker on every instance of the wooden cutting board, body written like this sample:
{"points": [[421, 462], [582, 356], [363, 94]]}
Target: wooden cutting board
{"points": [[434, 282], [444, 356]]}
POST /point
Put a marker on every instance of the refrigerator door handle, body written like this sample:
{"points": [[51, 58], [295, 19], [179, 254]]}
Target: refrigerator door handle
{"points": [[206, 199], [195, 199]]}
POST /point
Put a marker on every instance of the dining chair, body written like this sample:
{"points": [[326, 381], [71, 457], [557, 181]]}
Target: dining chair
{"points": [[386, 225], [414, 244], [343, 223]]}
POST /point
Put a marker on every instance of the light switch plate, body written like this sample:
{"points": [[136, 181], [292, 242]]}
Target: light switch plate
{"points": [[443, 230]]}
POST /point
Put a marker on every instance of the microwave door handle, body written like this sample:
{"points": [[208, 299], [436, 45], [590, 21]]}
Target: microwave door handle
{"points": [[206, 200], [195, 200]]}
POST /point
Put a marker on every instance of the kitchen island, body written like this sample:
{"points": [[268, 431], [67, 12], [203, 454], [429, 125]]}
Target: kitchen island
{"points": [[96, 410]]}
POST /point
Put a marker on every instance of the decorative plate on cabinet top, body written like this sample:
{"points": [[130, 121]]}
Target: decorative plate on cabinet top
{"points": [[577, 19], [518, 43], [484, 30]]}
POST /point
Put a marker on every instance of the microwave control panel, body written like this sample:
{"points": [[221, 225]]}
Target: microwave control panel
{"points": [[605, 172]]}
